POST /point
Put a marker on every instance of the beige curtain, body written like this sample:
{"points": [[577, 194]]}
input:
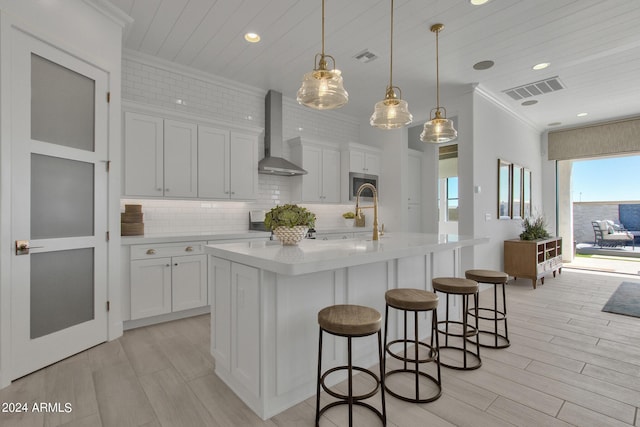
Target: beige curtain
{"points": [[618, 137]]}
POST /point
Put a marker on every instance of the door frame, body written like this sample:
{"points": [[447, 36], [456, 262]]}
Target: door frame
{"points": [[113, 71]]}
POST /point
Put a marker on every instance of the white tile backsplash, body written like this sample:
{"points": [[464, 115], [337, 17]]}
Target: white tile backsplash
{"points": [[159, 84]]}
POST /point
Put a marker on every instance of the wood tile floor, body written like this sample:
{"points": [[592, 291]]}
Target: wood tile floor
{"points": [[569, 364]]}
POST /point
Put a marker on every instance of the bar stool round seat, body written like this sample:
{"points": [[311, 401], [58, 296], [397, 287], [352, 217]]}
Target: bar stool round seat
{"points": [[465, 288], [416, 301], [494, 314], [350, 321]]}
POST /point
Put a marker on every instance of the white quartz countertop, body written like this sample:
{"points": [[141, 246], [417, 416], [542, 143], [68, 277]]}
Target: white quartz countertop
{"points": [[311, 256]]}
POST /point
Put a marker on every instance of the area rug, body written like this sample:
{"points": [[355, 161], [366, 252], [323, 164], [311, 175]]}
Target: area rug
{"points": [[625, 300]]}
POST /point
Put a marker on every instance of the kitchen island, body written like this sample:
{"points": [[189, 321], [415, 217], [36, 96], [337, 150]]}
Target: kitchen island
{"points": [[265, 298]]}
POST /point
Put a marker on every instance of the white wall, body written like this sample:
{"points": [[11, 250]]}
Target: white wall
{"points": [[91, 31], [499, 134]]}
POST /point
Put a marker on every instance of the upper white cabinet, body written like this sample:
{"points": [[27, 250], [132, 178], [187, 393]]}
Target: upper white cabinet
{"points": [[227, 164], [160, 157], [180, 159], [177, 159], [143, 155], [363, 159], [364, 162], [322, 162]]}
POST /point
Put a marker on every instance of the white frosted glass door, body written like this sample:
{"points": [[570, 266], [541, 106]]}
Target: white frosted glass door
{"points": [[59, 205]]}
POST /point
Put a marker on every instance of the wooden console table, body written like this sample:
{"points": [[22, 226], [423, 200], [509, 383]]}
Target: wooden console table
{"points": [[533, 259]]}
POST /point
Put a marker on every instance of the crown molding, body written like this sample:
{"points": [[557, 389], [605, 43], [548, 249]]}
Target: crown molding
{"points": [[480, 90], [112, 12]]}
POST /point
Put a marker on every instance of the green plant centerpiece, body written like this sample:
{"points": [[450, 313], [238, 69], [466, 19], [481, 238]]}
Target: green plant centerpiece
{"points": [[289, 223], [535, 227]]}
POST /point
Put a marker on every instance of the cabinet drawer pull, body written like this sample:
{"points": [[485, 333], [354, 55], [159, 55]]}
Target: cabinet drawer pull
{"points": [[151, 252], [189, 249]]}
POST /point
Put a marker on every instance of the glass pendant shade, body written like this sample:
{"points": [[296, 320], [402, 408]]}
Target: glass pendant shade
{"points": [[391, 112], [322, 90], [438, 130]]}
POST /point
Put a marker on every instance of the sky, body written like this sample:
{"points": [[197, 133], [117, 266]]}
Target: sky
{"points": [[610, 179]]}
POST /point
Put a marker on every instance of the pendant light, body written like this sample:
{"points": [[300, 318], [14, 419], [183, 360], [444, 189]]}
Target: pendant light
{"points": [[322, 88], [392, 112], [438, 128]]}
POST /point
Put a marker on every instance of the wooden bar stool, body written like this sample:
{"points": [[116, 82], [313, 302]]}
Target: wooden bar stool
{"points": [[495, 278], [465, 288], [350, 321], [415, 300]]}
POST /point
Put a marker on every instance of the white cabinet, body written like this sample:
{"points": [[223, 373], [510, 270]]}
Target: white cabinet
{"points": [[322, 162], [366, 162], [167, 277], [235, 342], [414, 198], [227, 164], [180, 159], [362, 158], [150, 287], [160, 157]]}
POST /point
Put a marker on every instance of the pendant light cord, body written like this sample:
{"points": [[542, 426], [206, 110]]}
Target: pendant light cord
{"points": [[391, 56], [437, 74], [323, 29]]}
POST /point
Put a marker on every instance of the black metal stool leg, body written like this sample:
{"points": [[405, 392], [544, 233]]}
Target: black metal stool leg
{"points": [[319, 376], [350, 381], [504, 309]]}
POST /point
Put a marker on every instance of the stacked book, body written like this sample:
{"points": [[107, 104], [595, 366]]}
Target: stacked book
{"points": [[131, 221]]}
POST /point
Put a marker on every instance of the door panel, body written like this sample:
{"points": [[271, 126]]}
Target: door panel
{"points": [[59, 203]]}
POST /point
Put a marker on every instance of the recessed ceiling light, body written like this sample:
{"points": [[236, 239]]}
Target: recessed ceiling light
{"points": [[541, 66], [530, 102], [582, 114], [252, 37], [478, 2], [483, 65], [555, 124]]}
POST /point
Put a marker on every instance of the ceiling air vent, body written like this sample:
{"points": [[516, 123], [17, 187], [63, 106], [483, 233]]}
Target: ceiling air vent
{"points": [[541, 87], [365, 56]]}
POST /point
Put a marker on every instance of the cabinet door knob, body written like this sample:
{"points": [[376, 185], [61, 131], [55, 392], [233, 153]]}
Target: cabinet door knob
{"points": [[151, 251], [166, 189], [189, 249], [158, 189], [175, 263], [167, 265]]}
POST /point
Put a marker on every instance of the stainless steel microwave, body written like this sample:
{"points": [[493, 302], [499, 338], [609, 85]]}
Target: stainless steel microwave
{"points": [[356, 180]]}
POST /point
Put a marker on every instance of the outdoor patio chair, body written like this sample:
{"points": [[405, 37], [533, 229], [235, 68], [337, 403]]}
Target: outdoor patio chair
{"points": [[605, 234]]}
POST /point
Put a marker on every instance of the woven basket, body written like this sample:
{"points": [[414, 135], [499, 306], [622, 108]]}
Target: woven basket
{"points": [[290, 236]]}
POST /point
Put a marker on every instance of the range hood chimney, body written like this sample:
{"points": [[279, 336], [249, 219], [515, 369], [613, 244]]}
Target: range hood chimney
{"points": [[273, 163]]}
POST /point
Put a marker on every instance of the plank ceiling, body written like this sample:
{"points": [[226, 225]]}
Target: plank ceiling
{"points": [[593, 47]]}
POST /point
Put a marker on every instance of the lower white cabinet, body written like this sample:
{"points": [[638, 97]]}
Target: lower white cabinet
{"points": [[163, 280], [234, 339]]}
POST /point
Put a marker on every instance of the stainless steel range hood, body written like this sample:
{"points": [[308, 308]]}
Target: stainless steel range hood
{"points": [[273, 163]]}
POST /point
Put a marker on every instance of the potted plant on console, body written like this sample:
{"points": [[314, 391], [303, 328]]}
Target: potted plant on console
{"points": [[534, 228], [289, 223]]}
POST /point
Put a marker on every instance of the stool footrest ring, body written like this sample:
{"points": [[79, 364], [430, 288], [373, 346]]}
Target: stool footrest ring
{"points": [[346, 402], [344, 396], [433, 353], [471, 331], [471, 312], [506, 344], [416, 399], [458, 367]]}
